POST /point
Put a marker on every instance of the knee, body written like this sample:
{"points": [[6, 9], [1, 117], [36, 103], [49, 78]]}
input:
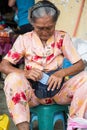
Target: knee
{"points": [[13, 80], [14, 76], [84, 74]]}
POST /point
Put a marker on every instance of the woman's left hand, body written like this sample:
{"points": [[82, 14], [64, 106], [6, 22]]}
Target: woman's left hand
{"points": [[54, 81]]}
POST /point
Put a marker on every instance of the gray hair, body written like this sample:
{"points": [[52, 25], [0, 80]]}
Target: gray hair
{"points": [[41, 9]]}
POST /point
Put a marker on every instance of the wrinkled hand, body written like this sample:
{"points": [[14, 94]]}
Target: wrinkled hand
{"points": [[34, 74], [54, 81]]}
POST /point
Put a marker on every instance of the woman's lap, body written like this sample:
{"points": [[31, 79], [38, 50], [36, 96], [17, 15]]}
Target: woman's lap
{"points": [[20, 96]]}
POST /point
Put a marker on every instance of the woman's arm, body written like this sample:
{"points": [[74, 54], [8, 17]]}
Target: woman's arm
{"points": [[6, 67], [11, 3], [74, 69], [56, 78]]}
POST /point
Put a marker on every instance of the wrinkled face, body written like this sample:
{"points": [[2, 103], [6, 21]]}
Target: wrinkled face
{"points": [[44, 27]]}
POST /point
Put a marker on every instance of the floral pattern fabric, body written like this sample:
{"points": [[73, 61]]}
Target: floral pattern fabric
{"points": [[30, 47], [19, 93]]}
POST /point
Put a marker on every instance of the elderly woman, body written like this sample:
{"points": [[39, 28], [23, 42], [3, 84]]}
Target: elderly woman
{"points": [[44, 50]]}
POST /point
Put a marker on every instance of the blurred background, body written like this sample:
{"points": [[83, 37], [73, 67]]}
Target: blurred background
{"points": [[72, 20]]}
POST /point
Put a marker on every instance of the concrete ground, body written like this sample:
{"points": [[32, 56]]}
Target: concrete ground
{"points": [[4, 110]]}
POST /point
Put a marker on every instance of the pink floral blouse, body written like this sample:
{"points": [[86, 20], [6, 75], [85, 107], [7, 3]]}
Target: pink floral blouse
{"points": [[49, 57]]}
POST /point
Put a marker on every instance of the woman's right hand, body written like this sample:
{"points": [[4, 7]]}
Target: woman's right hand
{"points": [[34, 74]]}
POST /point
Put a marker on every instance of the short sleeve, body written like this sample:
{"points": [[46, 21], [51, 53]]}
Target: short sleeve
{"points": [[69, 51], [16, 52]]}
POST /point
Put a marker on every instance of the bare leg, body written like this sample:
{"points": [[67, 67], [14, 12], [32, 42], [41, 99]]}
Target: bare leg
{"points": [[23, 126]]}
